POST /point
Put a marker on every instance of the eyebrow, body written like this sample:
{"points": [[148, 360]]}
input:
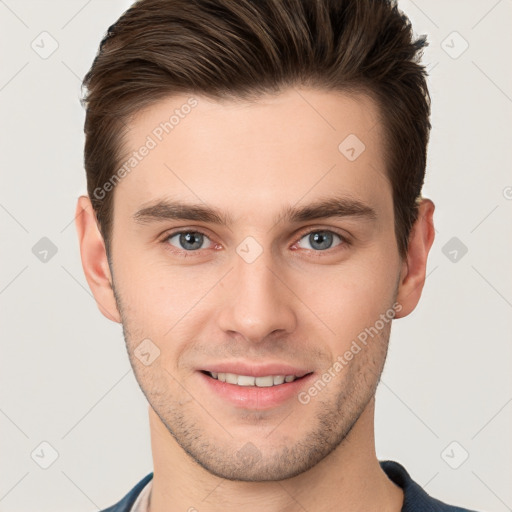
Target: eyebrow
{"points": [[332, 207]]}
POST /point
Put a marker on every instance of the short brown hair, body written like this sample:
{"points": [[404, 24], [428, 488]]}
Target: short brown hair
{"points": [[245, 48]]}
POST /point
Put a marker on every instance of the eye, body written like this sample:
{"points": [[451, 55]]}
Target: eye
{"points": [[320, 240], [188, 240]]}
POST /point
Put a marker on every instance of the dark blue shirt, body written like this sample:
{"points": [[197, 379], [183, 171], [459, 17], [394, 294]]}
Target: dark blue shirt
{"points": [[415, 498]]}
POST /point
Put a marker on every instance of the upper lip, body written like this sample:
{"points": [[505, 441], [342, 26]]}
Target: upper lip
{"points": [[256, 370]]}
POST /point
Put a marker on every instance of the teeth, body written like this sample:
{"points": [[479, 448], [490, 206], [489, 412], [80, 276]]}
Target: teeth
{"points": [[279, 379], [231, 378], [246, 380], [264, 382]]}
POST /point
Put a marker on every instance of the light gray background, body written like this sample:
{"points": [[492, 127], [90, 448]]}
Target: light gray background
{"points": [[65, 374]]}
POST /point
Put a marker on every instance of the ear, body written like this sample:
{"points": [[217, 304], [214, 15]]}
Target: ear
{"points": [[94, 259], [412, 276]]}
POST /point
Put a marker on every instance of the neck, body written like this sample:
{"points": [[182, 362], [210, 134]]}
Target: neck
{"points": [[350, 479]]}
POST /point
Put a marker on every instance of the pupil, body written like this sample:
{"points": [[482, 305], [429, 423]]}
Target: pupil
{"points": [[323, 238], [190, 238]]}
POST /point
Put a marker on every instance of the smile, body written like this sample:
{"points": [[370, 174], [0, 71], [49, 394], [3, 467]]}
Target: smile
{"points": [[248, 380]]}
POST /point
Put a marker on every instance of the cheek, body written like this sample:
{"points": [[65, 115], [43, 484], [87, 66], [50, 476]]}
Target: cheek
{"points": [[352, 297], [164, 304], [148, 288]]}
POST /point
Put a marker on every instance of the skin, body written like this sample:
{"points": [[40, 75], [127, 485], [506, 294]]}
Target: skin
{"points": [[296, 303]]}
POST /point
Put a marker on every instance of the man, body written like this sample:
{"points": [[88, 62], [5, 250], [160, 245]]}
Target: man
{"points": [[254, 220]]}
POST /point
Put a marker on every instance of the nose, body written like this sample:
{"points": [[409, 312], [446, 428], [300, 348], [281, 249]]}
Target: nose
{"points": [[257, 301]]}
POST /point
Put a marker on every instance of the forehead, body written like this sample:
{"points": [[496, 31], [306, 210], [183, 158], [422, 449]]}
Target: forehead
{"points": [[279, 149]]}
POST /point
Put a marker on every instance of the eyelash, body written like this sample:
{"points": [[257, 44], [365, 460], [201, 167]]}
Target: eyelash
{"points": [[345, 242]]}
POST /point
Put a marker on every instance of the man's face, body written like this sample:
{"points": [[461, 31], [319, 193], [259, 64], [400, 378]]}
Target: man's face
{"points": [[266, 294]]}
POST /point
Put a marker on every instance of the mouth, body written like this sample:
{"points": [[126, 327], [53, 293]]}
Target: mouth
{"points": [[254, 385], [264, 381]]}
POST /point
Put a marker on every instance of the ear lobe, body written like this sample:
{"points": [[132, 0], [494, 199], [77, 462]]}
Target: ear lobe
{"points": [[94, 259], [412, 277]]}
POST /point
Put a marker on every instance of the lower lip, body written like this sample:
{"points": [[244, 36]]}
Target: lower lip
{"points": [[254, 397]]}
